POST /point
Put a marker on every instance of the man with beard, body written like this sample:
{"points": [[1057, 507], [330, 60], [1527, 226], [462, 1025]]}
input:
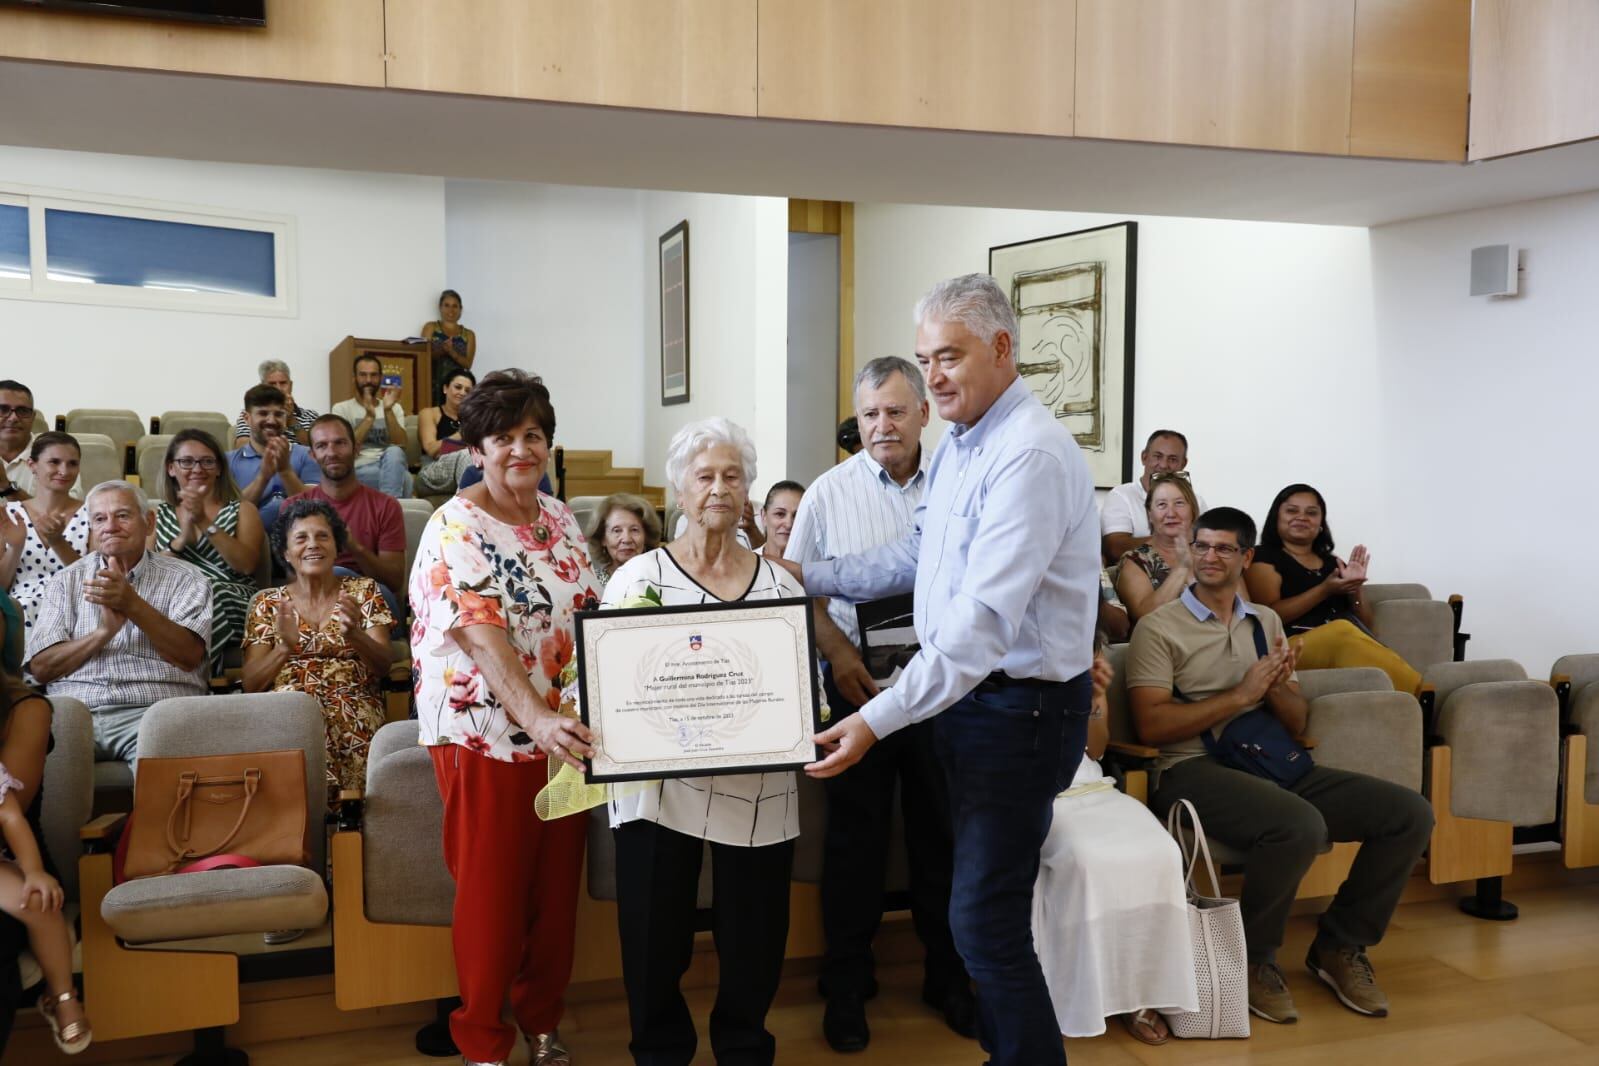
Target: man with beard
{"points": [[374, 521], [379, 423], [271, 467]]}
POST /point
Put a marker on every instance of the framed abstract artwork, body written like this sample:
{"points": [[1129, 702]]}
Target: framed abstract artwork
{"points": [[1075, 299], [674, 315]]}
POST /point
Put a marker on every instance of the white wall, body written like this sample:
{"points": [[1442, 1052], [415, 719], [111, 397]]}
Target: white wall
{"points": [[370, 263], [553, 282], [1487, 408], [1247, 337], [738, 311], [812, 354]]}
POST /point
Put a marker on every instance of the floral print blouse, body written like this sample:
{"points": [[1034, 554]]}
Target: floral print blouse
{"points": [[473, 569]]}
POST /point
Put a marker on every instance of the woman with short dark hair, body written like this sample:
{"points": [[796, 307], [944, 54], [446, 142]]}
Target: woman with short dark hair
{"points": [[499, 572], [203, 522], [1317, 594], [323, 635]]}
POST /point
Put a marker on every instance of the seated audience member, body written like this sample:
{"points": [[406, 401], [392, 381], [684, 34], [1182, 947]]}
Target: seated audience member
{"points": [[454, 346], [777, 516], [440, 427], [269, 467], [1123, 520], [1195, 666], [122, 627], [24, 747], [849, 435], [1113, 620], [16, 443], [623, 526], [202, 521], [297, 419], [322, 634], [379, 423], [1157, 571], [374, 542], [48, 533], [1110, 910], [1317, 594]]}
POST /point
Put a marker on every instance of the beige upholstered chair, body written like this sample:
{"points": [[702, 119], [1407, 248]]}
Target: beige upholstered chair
{"points": [[219, 425], [413, 441], [1576, 683], [124, 427], [1493, 764], [149, 462], [102, 459], [137, 992], [68, 799], [583, 510], [1421, 629]]}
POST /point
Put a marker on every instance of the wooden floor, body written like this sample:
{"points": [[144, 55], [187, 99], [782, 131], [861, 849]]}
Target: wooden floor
{"points": [[1463, 991]]}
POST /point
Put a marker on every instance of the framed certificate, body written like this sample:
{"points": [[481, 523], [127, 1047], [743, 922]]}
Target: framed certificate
{"points": [[691, 691]]}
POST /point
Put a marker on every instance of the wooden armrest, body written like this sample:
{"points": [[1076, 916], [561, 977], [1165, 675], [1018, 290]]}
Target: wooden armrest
{"points": [[103, 827], [347, 795], [1138, 751], [1455, 597]]}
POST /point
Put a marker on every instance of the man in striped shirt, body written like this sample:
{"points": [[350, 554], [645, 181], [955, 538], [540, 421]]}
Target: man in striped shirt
{"points": [[867, 500]]}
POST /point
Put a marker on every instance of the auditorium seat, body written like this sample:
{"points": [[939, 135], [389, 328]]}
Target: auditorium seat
{"points": [[413, 442], [68, 799], [219, 425], [1493, 764], [673, 514], [583, 510], [124, 427], [398, 686], [392, 895], [134, 992], [1575, 679], [102, 459], [149, 462], [1421, 629]]}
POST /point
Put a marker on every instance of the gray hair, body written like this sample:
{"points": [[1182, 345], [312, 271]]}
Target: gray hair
{"points": [[273, 366], [874, 374], [975, 301], [698, 436], [121, 486]]}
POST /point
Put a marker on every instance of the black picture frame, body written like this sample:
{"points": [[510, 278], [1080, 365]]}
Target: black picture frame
{"points": [[1117, 287], [673, 265], [581, 618]]}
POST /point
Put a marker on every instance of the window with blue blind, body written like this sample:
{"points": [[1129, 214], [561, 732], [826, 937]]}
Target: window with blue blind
{"points": [[102, 249], [14, 264]]}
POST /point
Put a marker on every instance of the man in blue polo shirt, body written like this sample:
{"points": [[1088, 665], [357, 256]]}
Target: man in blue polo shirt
{"points": [[271, 467]]}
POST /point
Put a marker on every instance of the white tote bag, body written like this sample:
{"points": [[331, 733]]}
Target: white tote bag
{"points": [[1216, 927]]}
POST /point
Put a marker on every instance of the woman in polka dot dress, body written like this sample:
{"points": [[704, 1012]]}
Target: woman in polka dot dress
{"points": [[40, 537]]}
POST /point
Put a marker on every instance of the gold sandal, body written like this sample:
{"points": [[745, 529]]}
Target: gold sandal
{"points": [[72, 1037]]}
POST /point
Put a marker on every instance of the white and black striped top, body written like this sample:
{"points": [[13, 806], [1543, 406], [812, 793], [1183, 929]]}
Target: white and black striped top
{"points": [[852, 508], [747, 810]]}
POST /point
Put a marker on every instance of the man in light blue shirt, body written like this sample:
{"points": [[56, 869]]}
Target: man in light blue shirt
{"points": [[1004, 562]]}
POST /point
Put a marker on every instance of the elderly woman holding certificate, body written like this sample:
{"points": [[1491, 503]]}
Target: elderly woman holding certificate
{"points": [[750, 820], [499, 572]]}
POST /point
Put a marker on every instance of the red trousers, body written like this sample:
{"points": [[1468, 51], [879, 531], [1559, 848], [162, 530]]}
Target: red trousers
{"points": [[516, 884]]}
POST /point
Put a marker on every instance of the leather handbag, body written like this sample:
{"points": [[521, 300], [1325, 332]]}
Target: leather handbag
{"points": [[1216, 929], [188, 808]]}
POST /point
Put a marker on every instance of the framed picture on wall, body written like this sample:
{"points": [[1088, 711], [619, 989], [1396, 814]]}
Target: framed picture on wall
{"points": [[1074, 296], [674, 315]]}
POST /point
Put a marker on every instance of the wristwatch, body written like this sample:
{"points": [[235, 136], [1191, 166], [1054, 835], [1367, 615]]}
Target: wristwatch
{"points": [[211, 531]]}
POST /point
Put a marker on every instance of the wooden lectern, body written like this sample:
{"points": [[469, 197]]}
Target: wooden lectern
{"points": [[413, 362]]}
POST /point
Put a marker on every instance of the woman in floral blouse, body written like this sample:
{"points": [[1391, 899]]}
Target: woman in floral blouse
{"points": [[499, 572], [323, 635]]}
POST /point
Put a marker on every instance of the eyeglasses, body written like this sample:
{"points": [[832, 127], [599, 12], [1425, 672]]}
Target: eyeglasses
{"points": [[189, 462], [23, 413], [1181, 474], [1223, 551]]}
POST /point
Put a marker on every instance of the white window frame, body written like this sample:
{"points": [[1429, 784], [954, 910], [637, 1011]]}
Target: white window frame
{"points": [[41, 287], [16, 286]]}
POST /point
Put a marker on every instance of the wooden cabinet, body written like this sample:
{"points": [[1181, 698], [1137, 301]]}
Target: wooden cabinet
{"points": [[338, 43], [1231, 73], [999, 65], [673, 55], [1411, 83], [1534, 75]]}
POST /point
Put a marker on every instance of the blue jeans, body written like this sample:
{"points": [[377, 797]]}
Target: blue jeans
{"points": [[1008, 749], [388, 473]]}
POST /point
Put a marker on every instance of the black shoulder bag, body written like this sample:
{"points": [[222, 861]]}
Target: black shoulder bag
{"points": [[1257, 742]]}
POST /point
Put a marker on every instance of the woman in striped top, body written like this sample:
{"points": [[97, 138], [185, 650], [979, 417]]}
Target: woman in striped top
{"points": [[203, 522]]}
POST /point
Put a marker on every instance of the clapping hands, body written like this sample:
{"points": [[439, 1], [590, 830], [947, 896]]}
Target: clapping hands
{"points": [[1268, 672], [13, 530], [1348, 576]]}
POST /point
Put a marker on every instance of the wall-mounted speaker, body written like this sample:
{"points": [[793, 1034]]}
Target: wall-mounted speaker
{"points": [[1493, 270]]}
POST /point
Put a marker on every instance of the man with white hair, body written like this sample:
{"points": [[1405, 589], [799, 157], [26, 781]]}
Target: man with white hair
{"points": [[122, 627], [275, 372], [1004, 563], [867, 500]]}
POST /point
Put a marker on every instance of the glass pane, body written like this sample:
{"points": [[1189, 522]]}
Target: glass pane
{"points": [[13, 241], [171, 256]]}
